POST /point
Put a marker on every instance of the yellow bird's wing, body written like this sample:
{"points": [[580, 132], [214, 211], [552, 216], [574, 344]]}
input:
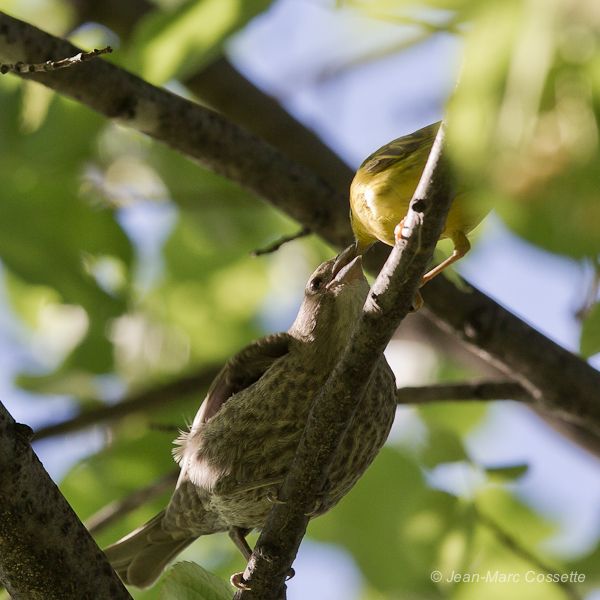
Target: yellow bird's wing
{"points": [[400, 153]]}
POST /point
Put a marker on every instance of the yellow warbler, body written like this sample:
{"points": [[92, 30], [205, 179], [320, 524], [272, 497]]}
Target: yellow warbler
{"points": [[383, 187]]}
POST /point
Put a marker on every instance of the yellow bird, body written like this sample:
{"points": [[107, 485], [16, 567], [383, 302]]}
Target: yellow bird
{"points": [[383, 187]]}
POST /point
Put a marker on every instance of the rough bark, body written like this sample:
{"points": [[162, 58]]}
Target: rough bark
{"points": [[45, 551]]}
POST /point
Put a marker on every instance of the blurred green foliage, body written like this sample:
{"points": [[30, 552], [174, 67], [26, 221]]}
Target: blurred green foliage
{"points": [[150, 301]]}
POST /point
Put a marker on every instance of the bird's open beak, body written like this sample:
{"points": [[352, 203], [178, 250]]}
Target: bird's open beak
{"points": [[351, 271], [344, 258]]}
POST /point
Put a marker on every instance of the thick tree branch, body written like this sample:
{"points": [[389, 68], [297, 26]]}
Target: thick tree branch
{"points": [[557, 380], [45, 551], [225, 148], [445, 302], [221, 86], [389, 301]]}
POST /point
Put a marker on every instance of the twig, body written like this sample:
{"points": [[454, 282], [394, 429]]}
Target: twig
{"points": [[389, 300], [462, 392], [119, 508], [52, 65], [331, 71], [45, 551], [164, 427], [592, 292], [508, 540], [281, 241], [140, 402]]}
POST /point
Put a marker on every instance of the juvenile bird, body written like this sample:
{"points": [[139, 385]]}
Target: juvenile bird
{"points": [[243, 439], [383, 187]]}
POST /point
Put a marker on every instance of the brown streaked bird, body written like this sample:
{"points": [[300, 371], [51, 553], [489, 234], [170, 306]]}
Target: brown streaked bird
{"points": [[244, 437], [383, 187]]}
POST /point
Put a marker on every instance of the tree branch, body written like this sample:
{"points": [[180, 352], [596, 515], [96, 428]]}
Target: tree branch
{"points": [[445, 302], [462, 392], [220, 85], [45, 551], [52, 65], [558, 380], [140, 402], [389, 300], [119, 508]]}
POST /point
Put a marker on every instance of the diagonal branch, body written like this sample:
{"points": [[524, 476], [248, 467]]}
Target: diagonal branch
{"points": [[389, 301], [45, 551], [558, 380]]}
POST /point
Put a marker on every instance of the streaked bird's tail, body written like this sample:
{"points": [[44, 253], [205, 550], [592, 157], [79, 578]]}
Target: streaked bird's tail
{"points": [[141, 556]]}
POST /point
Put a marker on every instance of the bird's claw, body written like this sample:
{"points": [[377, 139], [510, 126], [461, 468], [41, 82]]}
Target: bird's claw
{"points": [[398, 231], [274, 498], [417, 302], [317, 508], [238, 581]]}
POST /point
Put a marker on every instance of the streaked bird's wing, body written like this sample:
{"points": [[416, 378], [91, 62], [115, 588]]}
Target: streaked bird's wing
{"points": [[241, 371]]}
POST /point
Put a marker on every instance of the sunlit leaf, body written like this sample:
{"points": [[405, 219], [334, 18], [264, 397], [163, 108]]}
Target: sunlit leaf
{"points": [[189, 581], [176, 44], [589, 343], [523, 124], [443, 446]]}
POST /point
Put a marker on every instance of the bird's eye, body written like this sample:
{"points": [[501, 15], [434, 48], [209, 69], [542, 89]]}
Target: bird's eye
{"points": [[315, 284]]}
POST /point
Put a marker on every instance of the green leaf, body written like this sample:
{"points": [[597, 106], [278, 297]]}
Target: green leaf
{"points": [[49, 234], [189, 581], [507, 473], [589, 344], [177, 44], [443, 446], [523, 123], [392, 525], [587, 565], [461, 418], [510, 512]]}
